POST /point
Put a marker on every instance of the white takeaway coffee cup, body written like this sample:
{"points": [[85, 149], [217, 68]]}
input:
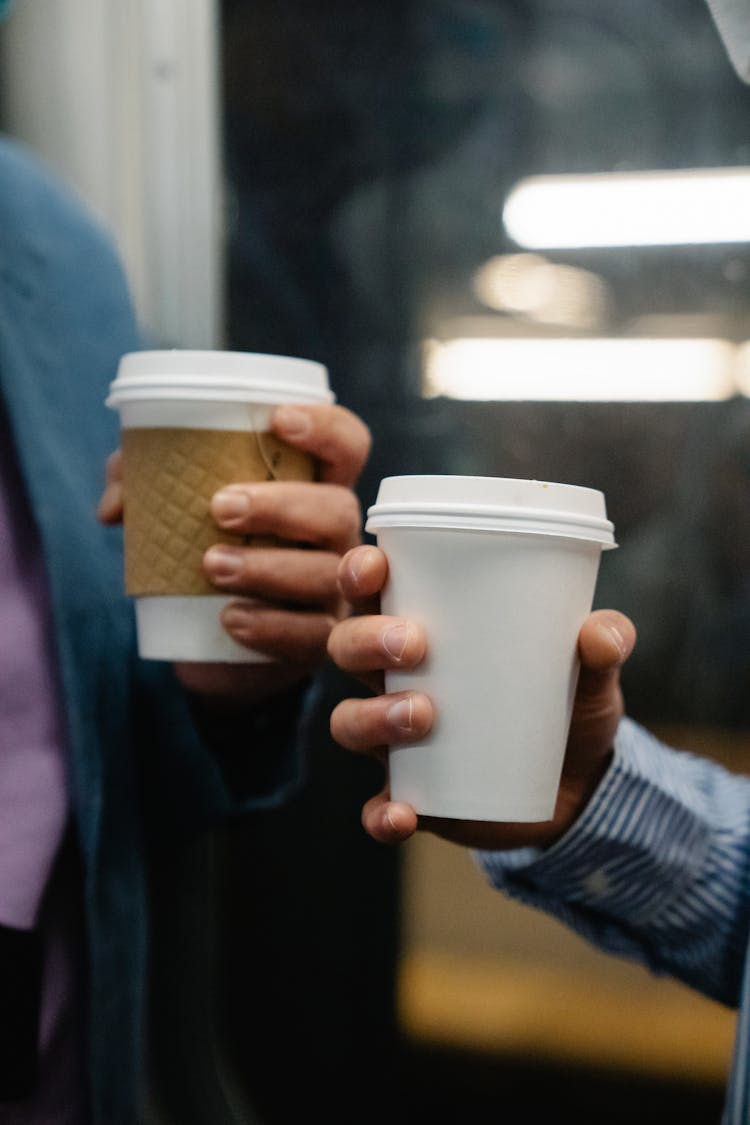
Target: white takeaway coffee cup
{"points": [[501, 574], [192, 422]]}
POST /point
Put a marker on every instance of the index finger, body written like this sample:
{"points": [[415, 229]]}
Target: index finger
{"points": [[334, 435]]}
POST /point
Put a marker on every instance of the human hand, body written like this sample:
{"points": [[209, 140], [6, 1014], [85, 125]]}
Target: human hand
{"points": [[297, 583], [367, 643]]}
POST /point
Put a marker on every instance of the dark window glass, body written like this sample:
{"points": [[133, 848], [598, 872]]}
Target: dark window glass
{"points": [[370, 148]]}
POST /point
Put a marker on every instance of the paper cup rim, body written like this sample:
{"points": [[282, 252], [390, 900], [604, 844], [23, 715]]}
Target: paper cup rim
{"points": [[568, 511], [526, 524], [216, 376]]}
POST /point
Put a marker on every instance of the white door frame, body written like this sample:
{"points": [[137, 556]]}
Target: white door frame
{"points": [[121, 98]]}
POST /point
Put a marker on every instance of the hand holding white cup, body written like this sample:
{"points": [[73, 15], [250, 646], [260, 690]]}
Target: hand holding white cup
{"points": [[488, 583]]}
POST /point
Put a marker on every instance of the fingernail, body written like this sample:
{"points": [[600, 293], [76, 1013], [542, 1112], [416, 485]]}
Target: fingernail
{"points": [[356, 566], [390, 821], [223, 562], [236, 620], [615, 636], [394, 641], [294, 423], [400, 714], [231, 505]]}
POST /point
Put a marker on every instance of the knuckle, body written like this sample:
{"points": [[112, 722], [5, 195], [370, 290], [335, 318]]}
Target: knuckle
{"points": [[332, 644], [338, 640], [364, 441], [348, 514], [341, 722], [353, 511], [362, 638]]}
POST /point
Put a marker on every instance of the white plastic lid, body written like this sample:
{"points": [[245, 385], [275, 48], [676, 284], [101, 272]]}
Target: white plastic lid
{"points": [[210, 376], [492, 504]]}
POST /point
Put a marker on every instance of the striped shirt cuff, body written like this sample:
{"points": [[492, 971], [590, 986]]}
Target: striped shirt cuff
{"points": [[655, 868], [634, 848]]}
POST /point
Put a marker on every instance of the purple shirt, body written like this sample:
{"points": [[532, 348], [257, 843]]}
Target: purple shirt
{"points": [[40, 882], [33, 799]]}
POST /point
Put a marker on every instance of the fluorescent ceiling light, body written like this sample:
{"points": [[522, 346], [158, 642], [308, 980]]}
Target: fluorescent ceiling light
{"points": [[630, 209], [743, 369], [583, 370]]}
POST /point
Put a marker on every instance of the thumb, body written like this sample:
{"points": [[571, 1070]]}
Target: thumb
{"points": [[605, 642]]}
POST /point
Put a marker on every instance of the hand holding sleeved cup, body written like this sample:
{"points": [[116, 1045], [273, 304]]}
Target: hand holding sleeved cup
{"points": [[368, 643], [287, 593]]}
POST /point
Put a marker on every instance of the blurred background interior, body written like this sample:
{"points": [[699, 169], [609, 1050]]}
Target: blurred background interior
{"points": [[514, 232]]}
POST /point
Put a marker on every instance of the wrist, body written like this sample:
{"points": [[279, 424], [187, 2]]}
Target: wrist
{"points": [[577, 788]]}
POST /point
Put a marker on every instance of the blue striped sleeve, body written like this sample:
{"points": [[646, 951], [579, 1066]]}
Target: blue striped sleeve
{"points": [[655, 869]]}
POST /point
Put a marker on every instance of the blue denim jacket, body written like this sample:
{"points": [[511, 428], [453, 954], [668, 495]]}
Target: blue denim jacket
{"points": [[65, 319]]}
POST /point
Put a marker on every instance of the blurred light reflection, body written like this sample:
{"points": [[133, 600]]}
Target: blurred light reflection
{"points": [[693, 206], [542, 291], [587, 370]]}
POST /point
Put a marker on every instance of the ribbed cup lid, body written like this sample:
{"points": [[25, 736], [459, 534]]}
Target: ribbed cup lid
{"points": [[218, 376], [492, 504]]}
